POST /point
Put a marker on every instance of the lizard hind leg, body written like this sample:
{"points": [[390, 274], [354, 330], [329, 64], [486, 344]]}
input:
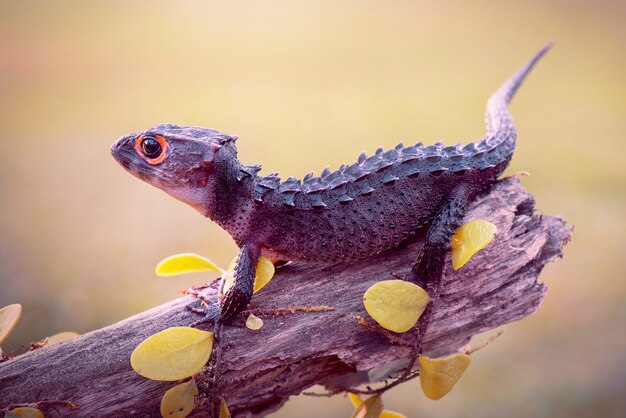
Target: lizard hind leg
{"points": [[428, 269], [429, 266]]}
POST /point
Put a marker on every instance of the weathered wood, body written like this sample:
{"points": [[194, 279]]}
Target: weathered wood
{"points": [[261, 369]]}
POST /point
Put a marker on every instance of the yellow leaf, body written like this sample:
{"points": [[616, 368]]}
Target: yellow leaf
{"points": [[9, 315], [24, 412], [254, 322], [172, 354], [372, 407], [438, 376], [356, 402], [469, 239], [184, 263], [355, 399], [224, 412], [395, 304], [61, 336], [264, 273], [179, 401]]}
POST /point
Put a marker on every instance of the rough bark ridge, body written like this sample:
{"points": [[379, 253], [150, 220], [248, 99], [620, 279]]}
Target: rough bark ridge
{"points": [[261, 369]]}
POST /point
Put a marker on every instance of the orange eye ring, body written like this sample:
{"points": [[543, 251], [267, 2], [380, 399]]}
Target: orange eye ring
{"points": [[139, 148]]}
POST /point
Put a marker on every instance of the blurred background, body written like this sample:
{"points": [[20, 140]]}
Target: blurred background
{"points": [[308, 84]]}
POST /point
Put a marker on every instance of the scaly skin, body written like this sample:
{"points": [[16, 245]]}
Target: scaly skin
{"points": [[354, 212]]}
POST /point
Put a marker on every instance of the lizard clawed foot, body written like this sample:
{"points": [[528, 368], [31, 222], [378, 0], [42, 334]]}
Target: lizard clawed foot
{"points": [[210, 311]]}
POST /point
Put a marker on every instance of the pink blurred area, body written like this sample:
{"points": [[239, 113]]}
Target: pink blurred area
{"points": [[308, 84]]}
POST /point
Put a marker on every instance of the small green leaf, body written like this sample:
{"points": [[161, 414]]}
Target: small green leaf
{"points": [[185, 263]]}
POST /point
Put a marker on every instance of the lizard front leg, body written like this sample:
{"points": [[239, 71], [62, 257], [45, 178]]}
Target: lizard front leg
{"points": [[239, 295]]}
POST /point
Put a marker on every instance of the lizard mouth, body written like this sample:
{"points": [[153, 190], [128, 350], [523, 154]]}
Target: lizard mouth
{"points": [[124, 153]]}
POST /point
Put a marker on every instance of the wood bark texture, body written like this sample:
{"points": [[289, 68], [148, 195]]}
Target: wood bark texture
{"points": [[259, 370]]}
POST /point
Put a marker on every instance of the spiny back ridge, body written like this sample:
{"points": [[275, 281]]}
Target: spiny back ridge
{"points": [[386, 167]]}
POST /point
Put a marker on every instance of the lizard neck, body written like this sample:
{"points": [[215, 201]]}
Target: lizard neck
{"points": [[229, 195]]}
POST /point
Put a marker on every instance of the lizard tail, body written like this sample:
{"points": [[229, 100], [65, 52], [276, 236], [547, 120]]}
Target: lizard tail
{"points": [[501, 132]]}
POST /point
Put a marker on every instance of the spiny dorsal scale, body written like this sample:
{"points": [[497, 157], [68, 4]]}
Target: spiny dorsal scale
{"points": [[438, 171], [340, 191], [470, 148], [332, 176], [308, 176], [313, 185], [412, 168], [400, 146], [454, 152], [459, 170], [362, 157], [379, 151], [248, 170], [253, 169], [391, 155], [241, 174], [325, 172], [353, 169], [410, 151], [362, 186], [257, 195], [382, 165], [316, 199], [269, 182], [370, 161], [389, 177], [338, 183], [292, 184], [288, 198], [431, 150], [433, 158]]}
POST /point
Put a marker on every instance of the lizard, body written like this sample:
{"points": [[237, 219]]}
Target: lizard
{"points": [[356, 211]]}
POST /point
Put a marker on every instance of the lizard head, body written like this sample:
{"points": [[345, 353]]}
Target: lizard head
{"points": [[177, 159]]}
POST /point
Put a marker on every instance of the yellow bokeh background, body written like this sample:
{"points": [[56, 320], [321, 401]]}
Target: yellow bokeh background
{"points": [[307, 84]]}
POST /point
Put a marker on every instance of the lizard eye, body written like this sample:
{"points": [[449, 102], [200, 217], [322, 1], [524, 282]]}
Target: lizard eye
{"points": [[151, 147]]}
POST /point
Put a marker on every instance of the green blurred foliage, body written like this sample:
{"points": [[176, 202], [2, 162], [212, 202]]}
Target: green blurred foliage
{"points": [[306, 84]]}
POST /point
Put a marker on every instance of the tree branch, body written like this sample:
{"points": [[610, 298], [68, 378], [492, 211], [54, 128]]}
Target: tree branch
{"points": [[259, 370]]}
